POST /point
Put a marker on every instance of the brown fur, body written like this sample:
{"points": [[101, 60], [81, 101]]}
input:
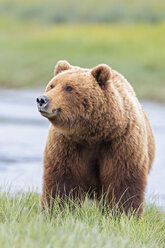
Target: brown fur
{"points": [[101, 139]]}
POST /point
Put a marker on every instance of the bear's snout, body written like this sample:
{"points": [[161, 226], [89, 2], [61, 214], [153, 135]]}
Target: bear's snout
{"points": [[42, 102]]}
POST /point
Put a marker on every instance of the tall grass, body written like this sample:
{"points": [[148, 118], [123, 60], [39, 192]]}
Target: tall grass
{"points": [[22, 224]]}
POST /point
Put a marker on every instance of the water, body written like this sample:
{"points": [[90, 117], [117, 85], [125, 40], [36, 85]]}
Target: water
{"points": [[23, 135]]}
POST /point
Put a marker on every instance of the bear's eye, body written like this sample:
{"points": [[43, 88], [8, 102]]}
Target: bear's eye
{"points": [[51, 86], [68, 88]]}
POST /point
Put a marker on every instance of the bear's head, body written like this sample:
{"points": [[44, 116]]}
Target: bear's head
{"points": [[75, 100]]}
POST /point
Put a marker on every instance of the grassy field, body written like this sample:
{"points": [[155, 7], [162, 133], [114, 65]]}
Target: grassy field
{"points": [[76, 11], [29, 51], [23, 225]]}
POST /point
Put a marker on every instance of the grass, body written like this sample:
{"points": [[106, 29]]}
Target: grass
{"points": [[73, 11], [23, 225], [29, 51]]}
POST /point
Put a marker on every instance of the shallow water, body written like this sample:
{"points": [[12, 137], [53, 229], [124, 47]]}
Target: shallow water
{"points": [[23, 133]]}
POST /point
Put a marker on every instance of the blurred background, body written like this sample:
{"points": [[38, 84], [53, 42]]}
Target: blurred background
{"points": [[128, 35]]}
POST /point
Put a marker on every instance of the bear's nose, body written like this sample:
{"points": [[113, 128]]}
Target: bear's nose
{"points": [[42, 102]]}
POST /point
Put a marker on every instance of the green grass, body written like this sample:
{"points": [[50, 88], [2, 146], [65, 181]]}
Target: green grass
{"points": [[22, 224], [29, 52], [73, 11]]}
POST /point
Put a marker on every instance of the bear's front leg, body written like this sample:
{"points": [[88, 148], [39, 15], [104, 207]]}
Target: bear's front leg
{"points": [[57, 183], [58, 180], [124, 188], [63, 175]]}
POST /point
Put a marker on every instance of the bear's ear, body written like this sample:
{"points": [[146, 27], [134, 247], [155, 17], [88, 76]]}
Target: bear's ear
{"points": [[102, 73], [62, 65]]}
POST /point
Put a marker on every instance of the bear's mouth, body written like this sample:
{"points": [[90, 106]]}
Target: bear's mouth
{"points": [[50, 114]]}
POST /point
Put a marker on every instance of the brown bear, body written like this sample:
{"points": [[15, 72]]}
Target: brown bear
{"points": [[99, 140]]}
